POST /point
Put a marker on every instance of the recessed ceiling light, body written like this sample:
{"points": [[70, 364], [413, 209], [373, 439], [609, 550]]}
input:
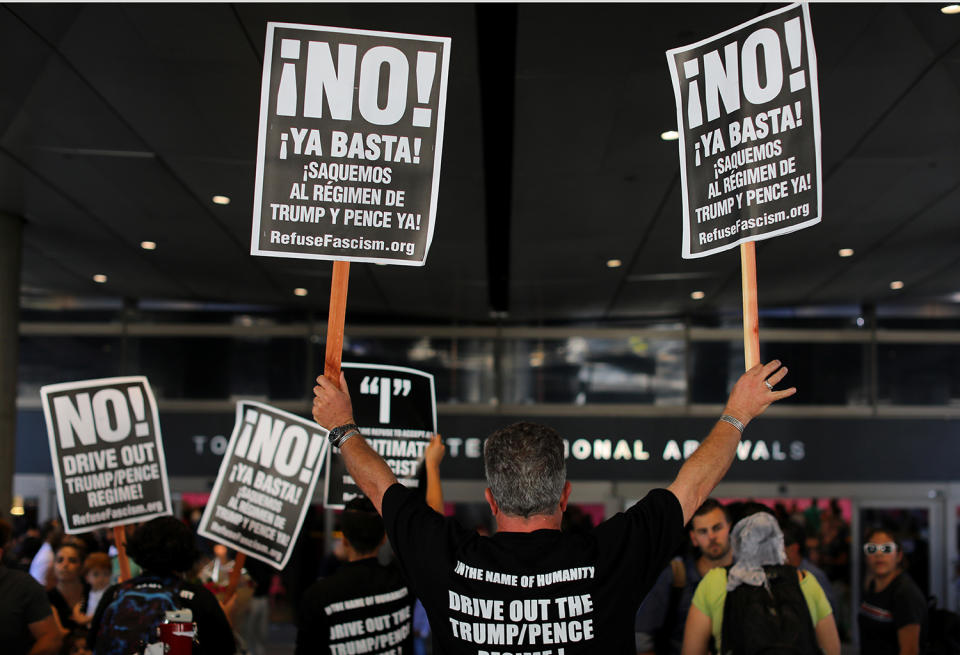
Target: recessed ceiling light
{"points": [[670, 135], [698, 295], [100, 278], [950, 9], [148, 245], [299, 291], [614, 263], [845, 252], [221, 200], [896, 284]]}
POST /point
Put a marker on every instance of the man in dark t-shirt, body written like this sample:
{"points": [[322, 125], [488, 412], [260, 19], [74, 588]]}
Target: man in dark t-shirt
{"points": [[531, 588], [364, 607], [27, 624]]}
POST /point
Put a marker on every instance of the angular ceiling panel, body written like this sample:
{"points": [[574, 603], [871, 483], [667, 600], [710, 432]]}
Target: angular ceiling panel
{"points": [[119, 122]]}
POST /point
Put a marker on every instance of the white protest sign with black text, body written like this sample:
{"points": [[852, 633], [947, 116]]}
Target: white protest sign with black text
{"points": [[348, 158], [749, 122], [266, 482], [396, 409], [107, 452]]}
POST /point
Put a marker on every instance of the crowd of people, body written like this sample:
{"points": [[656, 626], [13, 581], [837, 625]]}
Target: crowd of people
{"points": [[678, 572], [62, 594]]}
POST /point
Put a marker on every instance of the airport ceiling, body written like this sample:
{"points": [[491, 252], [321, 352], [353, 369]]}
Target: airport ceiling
{"points": [[121, 121]]}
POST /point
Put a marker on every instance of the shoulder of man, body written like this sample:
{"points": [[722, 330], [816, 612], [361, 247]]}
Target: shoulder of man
{"points": [[20, 587], [656, 500], [194, 592]]}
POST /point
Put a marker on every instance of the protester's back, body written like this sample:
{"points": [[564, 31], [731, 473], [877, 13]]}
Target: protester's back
{"points": [[129, 623], [129, 613], [772, 619]]}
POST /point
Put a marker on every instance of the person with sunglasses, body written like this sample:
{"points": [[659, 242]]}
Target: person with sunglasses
{"points": [[893, 610]]}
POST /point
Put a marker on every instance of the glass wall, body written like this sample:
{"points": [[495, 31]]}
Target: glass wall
{"points": [[918, 374], [587, 370], [222, 368], [253, 356]]}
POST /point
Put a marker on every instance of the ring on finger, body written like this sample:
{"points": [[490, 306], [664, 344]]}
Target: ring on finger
{"points": [[769, 386]]}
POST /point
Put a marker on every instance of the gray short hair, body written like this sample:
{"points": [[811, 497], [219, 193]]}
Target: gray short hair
{"points": [[525, 468]]}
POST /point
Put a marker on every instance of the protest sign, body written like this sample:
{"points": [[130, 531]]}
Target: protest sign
{"points": [[348, 158], [749, 120], [396, 409], [266, 482], [106, 451]]}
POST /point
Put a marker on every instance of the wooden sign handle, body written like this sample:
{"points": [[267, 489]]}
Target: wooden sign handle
{"points": [[120, 541], [234, 582], [751, 320], [335, 320]]}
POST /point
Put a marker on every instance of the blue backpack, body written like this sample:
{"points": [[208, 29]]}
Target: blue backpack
{"points": [[130, 621]]}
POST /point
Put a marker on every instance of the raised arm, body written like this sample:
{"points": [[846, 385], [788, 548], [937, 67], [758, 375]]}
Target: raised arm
{"points": [[751, 395], [431, 461], [332, 408], [48, 636]]}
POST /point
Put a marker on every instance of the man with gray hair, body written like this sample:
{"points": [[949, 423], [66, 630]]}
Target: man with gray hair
{"points": [[531, 588]]}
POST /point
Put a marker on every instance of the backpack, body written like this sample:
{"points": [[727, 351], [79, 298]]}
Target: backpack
{"points": [[774, 621], [943, 637], [129, 622]]}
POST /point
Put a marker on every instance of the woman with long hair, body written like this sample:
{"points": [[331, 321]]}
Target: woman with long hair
{"points": [[69, 595]]}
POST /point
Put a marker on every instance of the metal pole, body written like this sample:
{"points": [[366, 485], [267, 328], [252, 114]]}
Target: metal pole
{"points": [[11, 252]]}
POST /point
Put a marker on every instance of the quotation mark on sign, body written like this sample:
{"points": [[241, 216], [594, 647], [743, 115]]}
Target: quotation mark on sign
{"points": [[385, 388]]}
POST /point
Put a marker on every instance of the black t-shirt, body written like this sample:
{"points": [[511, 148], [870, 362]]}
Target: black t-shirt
{"points": [[64, 611], [22, 602], [113, 627], [364, 607], [882, 613], [545, 591]]}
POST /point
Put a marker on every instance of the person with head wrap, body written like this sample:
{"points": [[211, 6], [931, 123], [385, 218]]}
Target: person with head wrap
{"points": [[759, 557]]}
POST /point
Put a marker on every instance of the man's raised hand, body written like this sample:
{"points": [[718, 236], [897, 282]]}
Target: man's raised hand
{"points": [[435, 451], [331, 403], [755, 391]]}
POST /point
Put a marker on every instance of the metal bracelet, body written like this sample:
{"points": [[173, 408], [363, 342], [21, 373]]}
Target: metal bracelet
{"points": [[346, 435], [339, 434], [735, 422]]}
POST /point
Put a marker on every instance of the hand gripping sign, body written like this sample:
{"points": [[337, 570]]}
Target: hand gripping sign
{"points": [[749, 122], [348, 158], [107, 452], [396, 409], [266, 482]]}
